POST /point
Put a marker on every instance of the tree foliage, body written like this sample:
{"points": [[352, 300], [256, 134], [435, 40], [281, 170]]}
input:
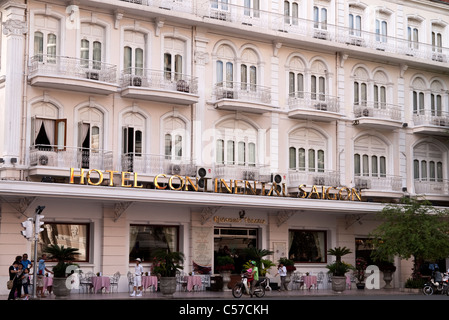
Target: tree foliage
{"points": [[412, 229]]}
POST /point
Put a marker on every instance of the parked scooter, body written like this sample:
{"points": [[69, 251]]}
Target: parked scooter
{"points": [[438, 284]]}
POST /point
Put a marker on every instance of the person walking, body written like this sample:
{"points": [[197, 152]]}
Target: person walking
{"points": [[138, 271], [16, 276], [282, 272], [40, 276]]}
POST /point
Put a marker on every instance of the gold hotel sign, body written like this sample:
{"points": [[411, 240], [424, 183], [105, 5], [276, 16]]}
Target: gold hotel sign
{"points": [[233, 186]]}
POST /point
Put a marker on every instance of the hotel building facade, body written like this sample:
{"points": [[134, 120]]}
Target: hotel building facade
{"points": [[212, 125]]}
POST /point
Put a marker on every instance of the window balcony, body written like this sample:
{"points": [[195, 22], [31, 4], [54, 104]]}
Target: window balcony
{"points": [[239, 96], [160, 86], [73, 74], [313, 177], [380, 183], [431, 122], [432, 187], [49, 160], [149, 165], [377, 115], [242, 172], [314, 106], [174, 5]]}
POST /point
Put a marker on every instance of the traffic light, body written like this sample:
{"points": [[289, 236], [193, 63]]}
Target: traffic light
{"points": [[39, 223], [28, 225]]}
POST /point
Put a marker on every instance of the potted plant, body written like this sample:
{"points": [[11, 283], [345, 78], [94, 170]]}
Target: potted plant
{"points": [[360, 269], [64, 257], [225, 265], [338, 269], [387, 268], [166, 265]]}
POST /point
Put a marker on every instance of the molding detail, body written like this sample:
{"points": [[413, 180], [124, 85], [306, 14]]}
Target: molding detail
{"points": [[120, 208], [14, 27], [207, 213]]}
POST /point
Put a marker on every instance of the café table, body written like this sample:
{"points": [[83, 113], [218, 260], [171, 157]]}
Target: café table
{"points": [[99, 282], [193, 281], [148, 281], [310, 281]]}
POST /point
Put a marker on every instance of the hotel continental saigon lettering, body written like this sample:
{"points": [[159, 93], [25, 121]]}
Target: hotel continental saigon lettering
{"points": [[162, 181]]}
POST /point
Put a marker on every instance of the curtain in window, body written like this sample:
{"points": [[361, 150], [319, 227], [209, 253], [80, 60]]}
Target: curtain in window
{"points": [[357, 165], [252, 154], [51, 48], [229, 74], [302, 159], [219, 72], [84, 53], [242, 153], [220, 151], [230, 152], [139, 62], [127, 60], [292, 158], [39, 45], [96, 55], [168, 145]]}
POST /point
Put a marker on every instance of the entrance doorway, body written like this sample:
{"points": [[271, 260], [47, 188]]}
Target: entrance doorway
{"points": [[234, 242]]}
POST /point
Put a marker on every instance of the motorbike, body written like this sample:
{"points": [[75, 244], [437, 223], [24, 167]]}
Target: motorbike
{"points": [[242, 287], [437, 287]]}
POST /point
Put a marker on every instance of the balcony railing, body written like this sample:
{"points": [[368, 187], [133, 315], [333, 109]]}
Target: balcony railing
{"points": [[159, 80], [378, 183], [377, 110], [152, 165], [242, 91], [175, 5], [49, 65], [431, 118], [63, 157], [438, 187], [313, 101], [246, 172], [309, 177]]}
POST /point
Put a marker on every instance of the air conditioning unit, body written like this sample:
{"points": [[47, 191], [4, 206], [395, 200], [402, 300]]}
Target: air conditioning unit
{"points": [[92, 75], [357, 42], [249, 175], [182, 86], [438, 57], [220, 15], [362, 183], [174, 169], [136, 81], [43, 160], [320, 34], [277, 178], [204, 172], [228, 94], [321, 106], [319, 181]]}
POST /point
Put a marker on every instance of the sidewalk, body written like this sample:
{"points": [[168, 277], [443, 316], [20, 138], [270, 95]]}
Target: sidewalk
{"points": [[225, 295]]}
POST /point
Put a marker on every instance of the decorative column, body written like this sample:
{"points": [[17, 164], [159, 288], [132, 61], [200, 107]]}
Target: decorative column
{"points": [[14, 28], [201, 57]]}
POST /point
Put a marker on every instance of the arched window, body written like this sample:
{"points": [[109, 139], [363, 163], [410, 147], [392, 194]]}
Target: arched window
{"points": [[370, 157], [428, 162], [307, 150], [236, 143]]}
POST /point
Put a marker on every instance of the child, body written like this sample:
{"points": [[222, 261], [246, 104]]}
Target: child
{"points": [[138, 271], [25, 282]]}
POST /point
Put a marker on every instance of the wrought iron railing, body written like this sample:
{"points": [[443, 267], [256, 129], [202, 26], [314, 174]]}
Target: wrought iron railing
{"points": [[301, 100], [49, 65], [160, 80], [242, 91]]}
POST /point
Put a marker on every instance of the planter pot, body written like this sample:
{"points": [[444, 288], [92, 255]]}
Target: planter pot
{"points": [[338, 283], [360, 285], [60, 288], [168, 285], [226, 275], [288, 278], [388, 277]]}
